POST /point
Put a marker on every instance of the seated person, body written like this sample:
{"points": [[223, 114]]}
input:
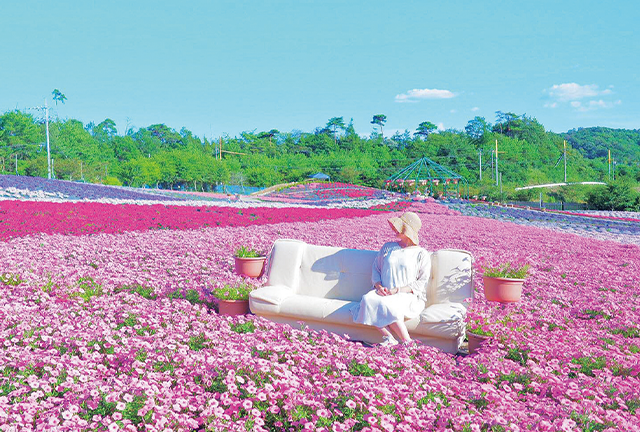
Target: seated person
{"points": [[399, 275]]}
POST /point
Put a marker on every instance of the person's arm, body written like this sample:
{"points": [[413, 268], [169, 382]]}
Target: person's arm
{"points": [[376, 277], [376, 269]]}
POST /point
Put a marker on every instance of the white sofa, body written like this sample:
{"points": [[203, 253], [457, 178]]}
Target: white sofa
{"points": [[318, 285]]}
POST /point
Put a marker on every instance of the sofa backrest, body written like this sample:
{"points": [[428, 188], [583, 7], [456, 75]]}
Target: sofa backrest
{"points": [[320, 271], [336, 273], [339, 273], [451, 277]]}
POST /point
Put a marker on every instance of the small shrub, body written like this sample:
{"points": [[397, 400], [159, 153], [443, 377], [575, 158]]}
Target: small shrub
{"points": [[196, 343], [11, 279], [88, 289], [480, 403], [628, 332], [518, 355], [245, 327], [589, 364], [360, 369], [593, 314], [141, 290]]}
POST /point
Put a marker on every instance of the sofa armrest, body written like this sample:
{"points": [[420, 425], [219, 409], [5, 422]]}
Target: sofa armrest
{"points": [[274, 294]]}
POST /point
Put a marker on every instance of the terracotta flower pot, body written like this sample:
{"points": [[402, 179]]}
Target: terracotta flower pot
{"points": [[502, 290], [476, 341], [252, 267], [233, 307]]}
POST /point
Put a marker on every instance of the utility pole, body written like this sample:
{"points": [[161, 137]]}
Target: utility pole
{"points": [[480, 164], [565, 161], [81, 175], [497, 180], [46, 117], [492, 171], [45, 108], [16, 163], [501, 187], [609, 164], [613, 164]]}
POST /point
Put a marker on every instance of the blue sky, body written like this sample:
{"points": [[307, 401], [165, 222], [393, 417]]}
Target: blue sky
{"points": [[222, 67]]}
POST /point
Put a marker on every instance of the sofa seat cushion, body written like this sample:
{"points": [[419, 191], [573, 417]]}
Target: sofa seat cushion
{"points": [[444, 320], [316, 308], [274, 294]]}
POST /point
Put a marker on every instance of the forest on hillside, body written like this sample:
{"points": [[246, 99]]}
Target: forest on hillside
{"points": [[159, 156]]}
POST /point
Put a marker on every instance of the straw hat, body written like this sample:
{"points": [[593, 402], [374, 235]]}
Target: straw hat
{"points": [[408, 224]]}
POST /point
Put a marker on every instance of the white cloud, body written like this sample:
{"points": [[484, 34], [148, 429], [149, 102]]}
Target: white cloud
{"points": [[572, 91], [474, 109], [575, 94], [441, 126], [453, 111], [594, 105], [418, 94]]}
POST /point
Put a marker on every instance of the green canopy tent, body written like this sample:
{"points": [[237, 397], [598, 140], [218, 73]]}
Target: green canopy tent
{"points": [[426, 175]]}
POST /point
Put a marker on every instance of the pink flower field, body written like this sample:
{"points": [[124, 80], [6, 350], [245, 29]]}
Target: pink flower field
{"points": [[20, 218], [117, 331]]}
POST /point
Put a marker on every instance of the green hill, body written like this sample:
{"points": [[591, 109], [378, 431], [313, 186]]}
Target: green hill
{"points": [[595, 142], [158, 155]]}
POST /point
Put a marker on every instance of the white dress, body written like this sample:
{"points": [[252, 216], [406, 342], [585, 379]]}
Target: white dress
{"points": [[395, 266]]}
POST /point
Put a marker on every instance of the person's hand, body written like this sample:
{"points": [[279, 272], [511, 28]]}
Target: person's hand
{"points": [[382, 290]]}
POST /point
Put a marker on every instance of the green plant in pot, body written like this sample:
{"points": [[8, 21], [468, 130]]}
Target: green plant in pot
{"points": [[249, 262], [233, 298], [503, 283], [477, 334], [247, 252]]}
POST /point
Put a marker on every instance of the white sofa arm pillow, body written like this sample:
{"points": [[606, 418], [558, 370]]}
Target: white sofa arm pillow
{"points": [[274, 294]]}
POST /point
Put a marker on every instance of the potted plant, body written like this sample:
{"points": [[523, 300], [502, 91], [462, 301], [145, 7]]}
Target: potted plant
{"points": [[233, 298], [249, 262], [478, 333], [504, 283]]}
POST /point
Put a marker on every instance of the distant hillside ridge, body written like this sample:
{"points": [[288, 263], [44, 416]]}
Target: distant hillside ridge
{"points": [[595, 142]]}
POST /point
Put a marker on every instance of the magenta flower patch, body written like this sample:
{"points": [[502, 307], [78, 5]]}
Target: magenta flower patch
{"points": [[118, 331]]}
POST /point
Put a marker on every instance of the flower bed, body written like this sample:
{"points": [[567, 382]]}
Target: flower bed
{"points": [[13, 187], [609, 215], [626, 231], [312, 192], [113, 331], [20, 218]]}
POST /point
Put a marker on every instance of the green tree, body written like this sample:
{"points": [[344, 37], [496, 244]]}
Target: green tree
{"points": [[477, 128], [105, 131], [269, 135], [425, 128], [334, 124], [380, 120], [19, 130], [58, 96], [503, 122], [617, 196]]}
